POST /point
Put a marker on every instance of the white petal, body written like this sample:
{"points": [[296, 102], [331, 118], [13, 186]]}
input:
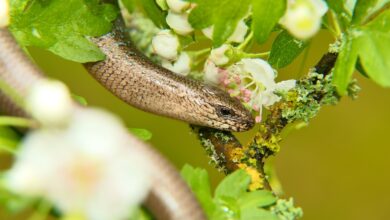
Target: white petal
{"points": [[239, 33], [218, 55], [166, 45], [211, 73], [286, 85], [179, 23], [260, 70], [178, 6], [182, 66], [208, 32]]}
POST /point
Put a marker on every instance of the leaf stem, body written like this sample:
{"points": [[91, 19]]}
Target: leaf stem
{"points": [[246, 42], [16, 121], [335, 24], [256, 55]]}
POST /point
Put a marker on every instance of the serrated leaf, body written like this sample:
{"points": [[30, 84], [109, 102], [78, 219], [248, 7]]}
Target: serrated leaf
{"points": [[285, 49], [374, 49], [266, 14], [62, 26], [256, 199], [234, 185], [345, 66], [142, 134], [198, 181], [223, 14]]}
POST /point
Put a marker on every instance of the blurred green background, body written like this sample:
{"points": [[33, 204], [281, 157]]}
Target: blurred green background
{"points": [[337, 168]]}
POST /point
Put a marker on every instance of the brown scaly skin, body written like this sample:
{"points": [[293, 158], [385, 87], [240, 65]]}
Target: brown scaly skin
{"points": [[136, 80]]}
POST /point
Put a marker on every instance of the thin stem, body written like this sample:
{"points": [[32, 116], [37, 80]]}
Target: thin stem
{"points": [[336, 24], [256, 55], [16, 121], [246, 42]]}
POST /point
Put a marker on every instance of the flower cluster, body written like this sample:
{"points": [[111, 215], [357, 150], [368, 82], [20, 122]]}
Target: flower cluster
{"points": [[250, 80], [80, 160]]}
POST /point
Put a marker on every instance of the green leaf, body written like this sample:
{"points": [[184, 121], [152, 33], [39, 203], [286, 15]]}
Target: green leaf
{"points": [[365, 8], [198, 181], [129, 5], [154, 12], [81, 100], [374, 49], [362, 9], [223, 14], [250, 214], [62, 26], [256, 199], [285, 49], [266, 14], [234, 185], [345, 66], [9, 139], [142, 134]]}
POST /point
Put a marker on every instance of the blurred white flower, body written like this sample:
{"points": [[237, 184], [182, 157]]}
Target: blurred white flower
{"points": [[89, 168], [49, 102], [303, 17], [253, 82], [4, 13], [178, 6], [166, 44], [181, 66], [218, 55], [238, 35], [179, 23]]}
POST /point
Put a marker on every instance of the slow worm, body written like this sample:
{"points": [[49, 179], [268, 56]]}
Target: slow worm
{"points": [[170, 197]]}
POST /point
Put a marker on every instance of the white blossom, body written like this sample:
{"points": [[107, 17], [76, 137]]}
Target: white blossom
{"points": [[238, 36], [4, 13], [181, 66], [179, 23], [303, 17], [178, 6], [88, 168], [250, 80], [49, 102], [166, 44], [218, 55]]}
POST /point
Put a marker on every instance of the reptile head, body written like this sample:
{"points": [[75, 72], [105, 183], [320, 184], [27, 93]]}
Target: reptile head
{"points": [[225, 112]]}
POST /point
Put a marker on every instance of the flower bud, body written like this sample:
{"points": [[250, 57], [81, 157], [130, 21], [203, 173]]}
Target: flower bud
{"points": [[178, 6], [49, 102], [211, 73], [4, 13], [179, 23], [182, 65], [166, 44], [219, 55]]}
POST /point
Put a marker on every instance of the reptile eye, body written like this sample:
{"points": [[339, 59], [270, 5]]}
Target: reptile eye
{"points": [[225, 112]]}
